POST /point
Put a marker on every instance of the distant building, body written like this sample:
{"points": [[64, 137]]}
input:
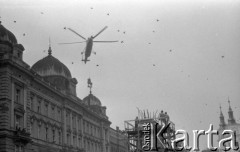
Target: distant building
{"points": [[231, 125], [118, 140], [40, 111]]}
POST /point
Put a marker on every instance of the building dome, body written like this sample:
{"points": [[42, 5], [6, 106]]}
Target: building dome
{"points": [[50, 66], [6, 35], [91, 100]]}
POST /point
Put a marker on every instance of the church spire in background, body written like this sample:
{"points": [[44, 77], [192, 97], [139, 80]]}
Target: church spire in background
{"points": [[231, 119], [222, 121]]}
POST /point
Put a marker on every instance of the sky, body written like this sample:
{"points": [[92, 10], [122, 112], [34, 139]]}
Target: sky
{"points": [[181, 57]]}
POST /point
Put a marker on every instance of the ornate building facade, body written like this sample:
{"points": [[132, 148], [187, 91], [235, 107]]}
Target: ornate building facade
{"points": [[118, 140], [230, 125], [40, 111]]}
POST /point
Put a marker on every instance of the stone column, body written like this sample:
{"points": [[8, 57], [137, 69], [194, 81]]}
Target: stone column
{"points": [[25, 106], [107, 139], [77, 119], [12, 106], [103, 137], [82, 132], [71, 127], [64, 126]]}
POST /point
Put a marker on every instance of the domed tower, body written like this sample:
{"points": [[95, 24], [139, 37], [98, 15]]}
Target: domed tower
{"points": [[54, 71], [9, 47], [7, 36], [93, 102]]}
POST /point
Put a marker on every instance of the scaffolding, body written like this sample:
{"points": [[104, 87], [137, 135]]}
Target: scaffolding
{"points": [[135, 130]]}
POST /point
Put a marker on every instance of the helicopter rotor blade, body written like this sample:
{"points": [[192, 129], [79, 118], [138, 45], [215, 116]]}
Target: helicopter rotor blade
{"points": [[105, 41], [77, 33], [100, 31], [72, 42]]}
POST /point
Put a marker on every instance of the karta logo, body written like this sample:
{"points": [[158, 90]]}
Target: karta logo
{"points": [[154, 134], [155, 137]]}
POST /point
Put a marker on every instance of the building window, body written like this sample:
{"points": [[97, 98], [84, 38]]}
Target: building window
{"points": [[53, 135], [38, 131], [19, 148], [59, 115], [91, 147], [30, 128], [53, 113], [1, 55], [84, 127], [106, 134], [46, 109], [31, 103], [18, 54], [68, 139], [18, 97], [73, 124], [98, 132], [88, 147], [74, 141], [80, 124], [39, 107], [18, 121], [74, 121], [79, 140], [46, 133], [87, 128], [67, 117], [95, 133], [59, 137]]}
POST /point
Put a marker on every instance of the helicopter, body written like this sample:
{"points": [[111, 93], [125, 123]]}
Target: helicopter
{"points": [[89, 43]]}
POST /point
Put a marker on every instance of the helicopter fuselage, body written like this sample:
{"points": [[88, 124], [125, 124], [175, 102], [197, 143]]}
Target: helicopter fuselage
{"points": [[89, 47], [89, 43]]}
